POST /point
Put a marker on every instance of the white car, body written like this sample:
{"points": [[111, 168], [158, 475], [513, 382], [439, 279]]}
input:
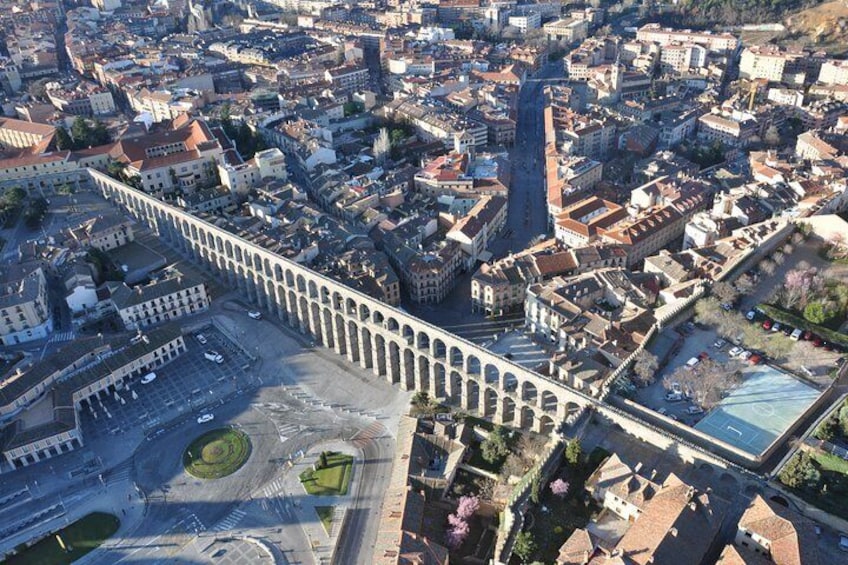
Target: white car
{"points": [[735, 351], [751, 315], [203, 418], [719, 343], [255, 314], [745, 355], [201, 339], [148, 378], [214, 356], [692, 410], [796, 334]]}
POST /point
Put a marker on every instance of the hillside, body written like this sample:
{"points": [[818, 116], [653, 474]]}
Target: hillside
{"points": [[735, 12], [824, 27]]}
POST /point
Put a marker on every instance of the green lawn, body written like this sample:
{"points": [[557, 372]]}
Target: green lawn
{"points": [[325, 514], [332, 480], [217, 453], [830, 462], [82, 536], [831, 493]]}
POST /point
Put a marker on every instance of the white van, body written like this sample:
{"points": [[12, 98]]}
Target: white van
{"points": [[692, 362], [148, 378]]}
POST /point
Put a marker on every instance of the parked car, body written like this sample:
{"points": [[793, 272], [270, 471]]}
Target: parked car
{"points": [[808, 335], [727, 307], [212, 355], [255, 314], [674, 396], [703, 356], [692, 410], [735, 351], [751, 315], [775, 327], [827, 346], [843, 542], [787, 330], [148, 378], [767, 324], [719, 343], [754, 359], [796, 335], [690, 364], [817, 341], [201, 339], [745, 355], [203, 418]]}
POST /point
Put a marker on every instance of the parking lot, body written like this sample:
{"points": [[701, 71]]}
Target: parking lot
{"points": [[188, 384]]}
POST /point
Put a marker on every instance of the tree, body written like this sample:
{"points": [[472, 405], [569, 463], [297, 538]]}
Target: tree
{"points": [[467, 506], [645, 368], [63, 139], [535, 489], [81, 132], [706, 381], [768, 266], [559, 488], [800, 472], [496, 446], [14, 197], [744, 284], [421, 399], [828, 429], [524, 546], [573, 451], [99, 135], [381, 147], [458, 531], [843, 419], [513, 467], [817, 313], [322, 460], [725, 292]]}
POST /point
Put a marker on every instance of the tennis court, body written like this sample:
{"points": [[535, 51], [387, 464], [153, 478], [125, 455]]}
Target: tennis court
{"points": [[759, 410]]}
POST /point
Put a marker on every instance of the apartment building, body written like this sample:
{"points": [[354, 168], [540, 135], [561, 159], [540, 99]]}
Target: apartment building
{"points": [[428, 276], [655, 33], [167, 299], [18, 134], [348, 78], [526, 22], [567, 29], [770, 531], [726, 130], [834, 72], [24, 304], [46, 397], [476, 229], [583, 222], [775, 64], [104, 232], [681, 57]]}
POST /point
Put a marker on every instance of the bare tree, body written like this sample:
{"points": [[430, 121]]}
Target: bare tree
{"points": [[778, 257], [744, 284], [381, 146], [768, 266], [706, 381], [645, 368], [725, 292]]}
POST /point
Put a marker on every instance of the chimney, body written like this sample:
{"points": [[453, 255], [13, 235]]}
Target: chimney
{"points": [[673, 532]]}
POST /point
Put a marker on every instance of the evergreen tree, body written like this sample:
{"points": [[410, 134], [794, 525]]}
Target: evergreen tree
{"points": [[63, 139]]}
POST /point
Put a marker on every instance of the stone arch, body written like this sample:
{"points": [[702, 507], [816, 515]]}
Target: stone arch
{"points": [[338, 301], [423, 376], [439, 349], [378, 318], [408, 369], [352, 342], [380, 359], [472, 365], [472, 396], [315, 324], [491, 374], [510, 382], [546, 424], [439, 382], [408, 334], [571, 410], [392, 325], [278, 272], [456, 358], [366, 348], [394, 362], [239, 256], [313, 290], [549, 401], [455, 388], [422, 341], [257, 263], [529, 393], [327, 328], [351, 307], [528, 418], [364, 313], [289, 278], [507, 410], [301, 283], [490, 402], [228, 249], [325, 295]]}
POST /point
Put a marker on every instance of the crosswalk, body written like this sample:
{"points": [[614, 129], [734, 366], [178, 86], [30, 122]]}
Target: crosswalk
{"points": [[230, 522], [273, 488], [287, 430], [59, 337], [375, 430]]}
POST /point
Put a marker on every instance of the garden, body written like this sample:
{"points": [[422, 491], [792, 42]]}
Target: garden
{"points": [[820, 474], [79, 538], [329, 476], [217, 453]]}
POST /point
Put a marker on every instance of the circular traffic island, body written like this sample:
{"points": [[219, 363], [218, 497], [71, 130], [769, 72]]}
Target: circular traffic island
{"points": [[217, 453]]}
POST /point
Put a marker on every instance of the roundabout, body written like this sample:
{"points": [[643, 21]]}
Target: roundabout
{"points": [[217, 453]]}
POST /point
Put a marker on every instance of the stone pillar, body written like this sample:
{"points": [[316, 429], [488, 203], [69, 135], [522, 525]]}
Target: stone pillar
{"points": [[365, 356]]}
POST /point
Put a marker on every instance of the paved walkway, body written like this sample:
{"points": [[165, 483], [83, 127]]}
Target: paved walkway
{"points": [[304, 505]]}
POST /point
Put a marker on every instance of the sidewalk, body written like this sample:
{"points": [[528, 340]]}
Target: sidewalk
{"points": [[304, 505]]}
